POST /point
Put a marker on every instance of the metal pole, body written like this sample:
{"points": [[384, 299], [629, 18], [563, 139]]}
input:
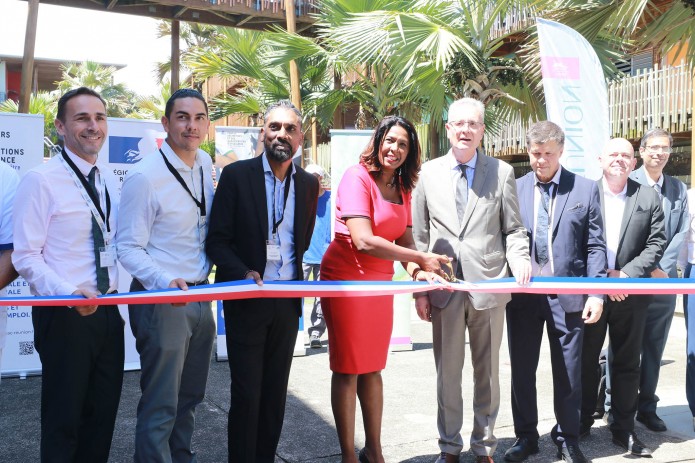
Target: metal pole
{"points": [[28, 58], [175, 50]]}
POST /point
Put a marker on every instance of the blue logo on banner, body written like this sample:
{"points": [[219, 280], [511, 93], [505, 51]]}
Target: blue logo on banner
{"points": [[124, 150]]}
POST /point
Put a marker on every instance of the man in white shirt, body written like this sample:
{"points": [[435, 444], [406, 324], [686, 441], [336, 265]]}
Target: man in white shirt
{"points": [[165, 204], [65, 217], [655, 149], [635, 239], [8, 184]]}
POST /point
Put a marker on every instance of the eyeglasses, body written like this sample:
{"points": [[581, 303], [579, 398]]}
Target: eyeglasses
{"points": [[473, 125], [659, 149]]}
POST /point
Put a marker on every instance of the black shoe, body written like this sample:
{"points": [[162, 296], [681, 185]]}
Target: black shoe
{"points": [[630, 442], [652, 421], [571, 454], [315, 341], [584, 430], [520, 451], [362, 456]]}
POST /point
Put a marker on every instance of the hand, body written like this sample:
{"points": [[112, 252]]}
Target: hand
{"points": [[617, 274], [85, 309], [592, 311], [423, 308], [431, 262], [179, 283], [433, 279], [522, 273], [254, 275], [658, 273]]}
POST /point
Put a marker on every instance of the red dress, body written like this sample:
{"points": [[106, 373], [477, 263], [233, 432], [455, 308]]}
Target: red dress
{"points": [[359, 329]]}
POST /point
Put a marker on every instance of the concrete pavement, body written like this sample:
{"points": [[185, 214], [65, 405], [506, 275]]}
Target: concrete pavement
{"points": [[409, 423]]}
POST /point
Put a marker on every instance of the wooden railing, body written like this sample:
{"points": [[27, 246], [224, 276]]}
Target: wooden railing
{"points": [[654, 98]]}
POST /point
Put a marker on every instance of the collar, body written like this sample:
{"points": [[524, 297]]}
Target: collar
{"points": [[454, 164], [268, 170], [176, 161], [81, 164], [651, 182], [555, 180], [607, 190]]}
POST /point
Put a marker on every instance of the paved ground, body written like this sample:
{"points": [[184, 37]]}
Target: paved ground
{"points": [[409, 428]]}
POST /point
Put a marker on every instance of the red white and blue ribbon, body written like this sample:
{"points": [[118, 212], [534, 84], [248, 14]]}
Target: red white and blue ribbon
{"points": [[247, 289]]}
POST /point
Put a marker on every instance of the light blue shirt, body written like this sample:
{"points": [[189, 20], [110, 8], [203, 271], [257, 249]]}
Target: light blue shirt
{"points": [[283, 269], [456, 171]]}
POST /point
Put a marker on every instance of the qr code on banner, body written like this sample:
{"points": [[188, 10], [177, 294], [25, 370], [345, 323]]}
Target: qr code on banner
{"points": [[26, 347]]}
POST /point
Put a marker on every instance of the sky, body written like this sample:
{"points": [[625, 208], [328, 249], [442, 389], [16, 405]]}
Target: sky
{"points": [[74, 34]]}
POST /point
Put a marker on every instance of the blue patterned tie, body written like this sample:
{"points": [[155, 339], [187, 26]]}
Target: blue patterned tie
{"points": [[543, 225]]}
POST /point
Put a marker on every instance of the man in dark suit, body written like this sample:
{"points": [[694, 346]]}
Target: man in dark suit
{"points": [[261, 223], [635, 239], [566, 234], [655, 149]]}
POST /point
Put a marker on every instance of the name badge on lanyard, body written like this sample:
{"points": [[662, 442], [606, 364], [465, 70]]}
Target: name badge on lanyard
{"points": [[272, 249]]}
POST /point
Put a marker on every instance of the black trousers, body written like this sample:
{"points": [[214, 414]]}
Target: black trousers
{"points": [[526, 316], [82, 361], [261, 334], [624, 322]]}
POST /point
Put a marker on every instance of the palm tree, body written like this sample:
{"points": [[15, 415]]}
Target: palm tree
{"points": [[43, 103], [152, 106], [195, 36], [100, 78]]}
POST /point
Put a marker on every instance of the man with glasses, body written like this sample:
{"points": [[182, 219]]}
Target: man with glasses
{"points": [[655, 150], [465, 206]]}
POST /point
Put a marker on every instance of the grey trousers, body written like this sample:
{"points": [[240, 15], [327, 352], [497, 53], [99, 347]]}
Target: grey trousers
{"points": [[175, 347], [485, 329]]}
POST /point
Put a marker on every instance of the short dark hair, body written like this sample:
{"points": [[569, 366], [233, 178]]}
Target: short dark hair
{"points": [[286, 104], [408, 172], [67, 96], [656, 132], [183, 93]]}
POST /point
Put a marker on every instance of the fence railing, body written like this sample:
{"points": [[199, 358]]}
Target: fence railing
{"points": [[653, 98]]}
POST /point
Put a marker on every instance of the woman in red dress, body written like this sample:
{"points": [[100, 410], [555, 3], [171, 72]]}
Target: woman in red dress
{"points": [[372, 230]]}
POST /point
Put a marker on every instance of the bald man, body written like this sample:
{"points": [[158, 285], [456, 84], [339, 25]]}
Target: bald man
{"points": [[635, 239]]}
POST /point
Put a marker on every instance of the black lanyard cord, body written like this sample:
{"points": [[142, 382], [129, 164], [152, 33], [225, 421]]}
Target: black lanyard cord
{"points": [[284, 204], [92, 194], [177, 176]]}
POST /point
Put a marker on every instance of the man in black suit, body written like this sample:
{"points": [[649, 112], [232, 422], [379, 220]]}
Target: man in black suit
{"points": [[562, 212], [261, 223], [635, 239]]}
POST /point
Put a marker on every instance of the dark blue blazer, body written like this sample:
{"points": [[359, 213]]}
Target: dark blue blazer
{"points": [[579, 247]]}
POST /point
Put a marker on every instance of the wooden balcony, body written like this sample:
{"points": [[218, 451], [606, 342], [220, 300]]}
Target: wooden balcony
{"points": [[248, 14]]}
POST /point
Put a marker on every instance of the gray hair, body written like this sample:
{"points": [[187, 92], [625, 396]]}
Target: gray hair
{"points": [[477, 104], [286, 104], [543, 132], [656, 132]]}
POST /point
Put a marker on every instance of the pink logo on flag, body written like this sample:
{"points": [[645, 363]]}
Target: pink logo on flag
{"points": [[558, 67]]}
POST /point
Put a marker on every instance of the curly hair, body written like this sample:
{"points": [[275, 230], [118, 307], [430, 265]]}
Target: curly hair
{"points": [[407, 173]]}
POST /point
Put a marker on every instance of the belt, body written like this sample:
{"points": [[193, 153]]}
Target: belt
{"points": [[198, 283]]}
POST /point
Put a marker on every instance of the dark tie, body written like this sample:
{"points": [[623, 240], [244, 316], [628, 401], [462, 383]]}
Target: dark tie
{"points": [[102, 272], [461, 192], [657, 188], [542, 225]]}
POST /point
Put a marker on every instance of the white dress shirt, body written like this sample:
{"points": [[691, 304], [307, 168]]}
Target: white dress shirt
{"points": [[53, 242], [614, 206], [8, 185], [161, 234], [549, 269], [688, 251], [285, 268]]}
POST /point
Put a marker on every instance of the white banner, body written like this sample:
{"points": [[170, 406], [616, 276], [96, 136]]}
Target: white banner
{"points": [[576, 97], [21, 146]]}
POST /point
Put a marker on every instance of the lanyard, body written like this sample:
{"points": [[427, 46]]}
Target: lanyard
{"points": [[177, 176], [89, 195], [284, 204]]}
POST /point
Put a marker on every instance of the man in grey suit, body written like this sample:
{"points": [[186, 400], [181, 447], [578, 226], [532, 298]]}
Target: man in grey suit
{"points": [[655, 149], [635, 239], [562, 212], [465, 206]]}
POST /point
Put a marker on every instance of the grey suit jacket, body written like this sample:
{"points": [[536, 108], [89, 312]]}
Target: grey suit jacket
{"points": [[642, 236], [491, 234], [675, 206], [579, 247]]}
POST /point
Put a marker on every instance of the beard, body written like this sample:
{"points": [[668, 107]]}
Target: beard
{"points": [[278, 155]]}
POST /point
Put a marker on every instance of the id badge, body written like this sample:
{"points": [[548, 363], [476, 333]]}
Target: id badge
{"points": [[107, 256], [272, 250]]}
